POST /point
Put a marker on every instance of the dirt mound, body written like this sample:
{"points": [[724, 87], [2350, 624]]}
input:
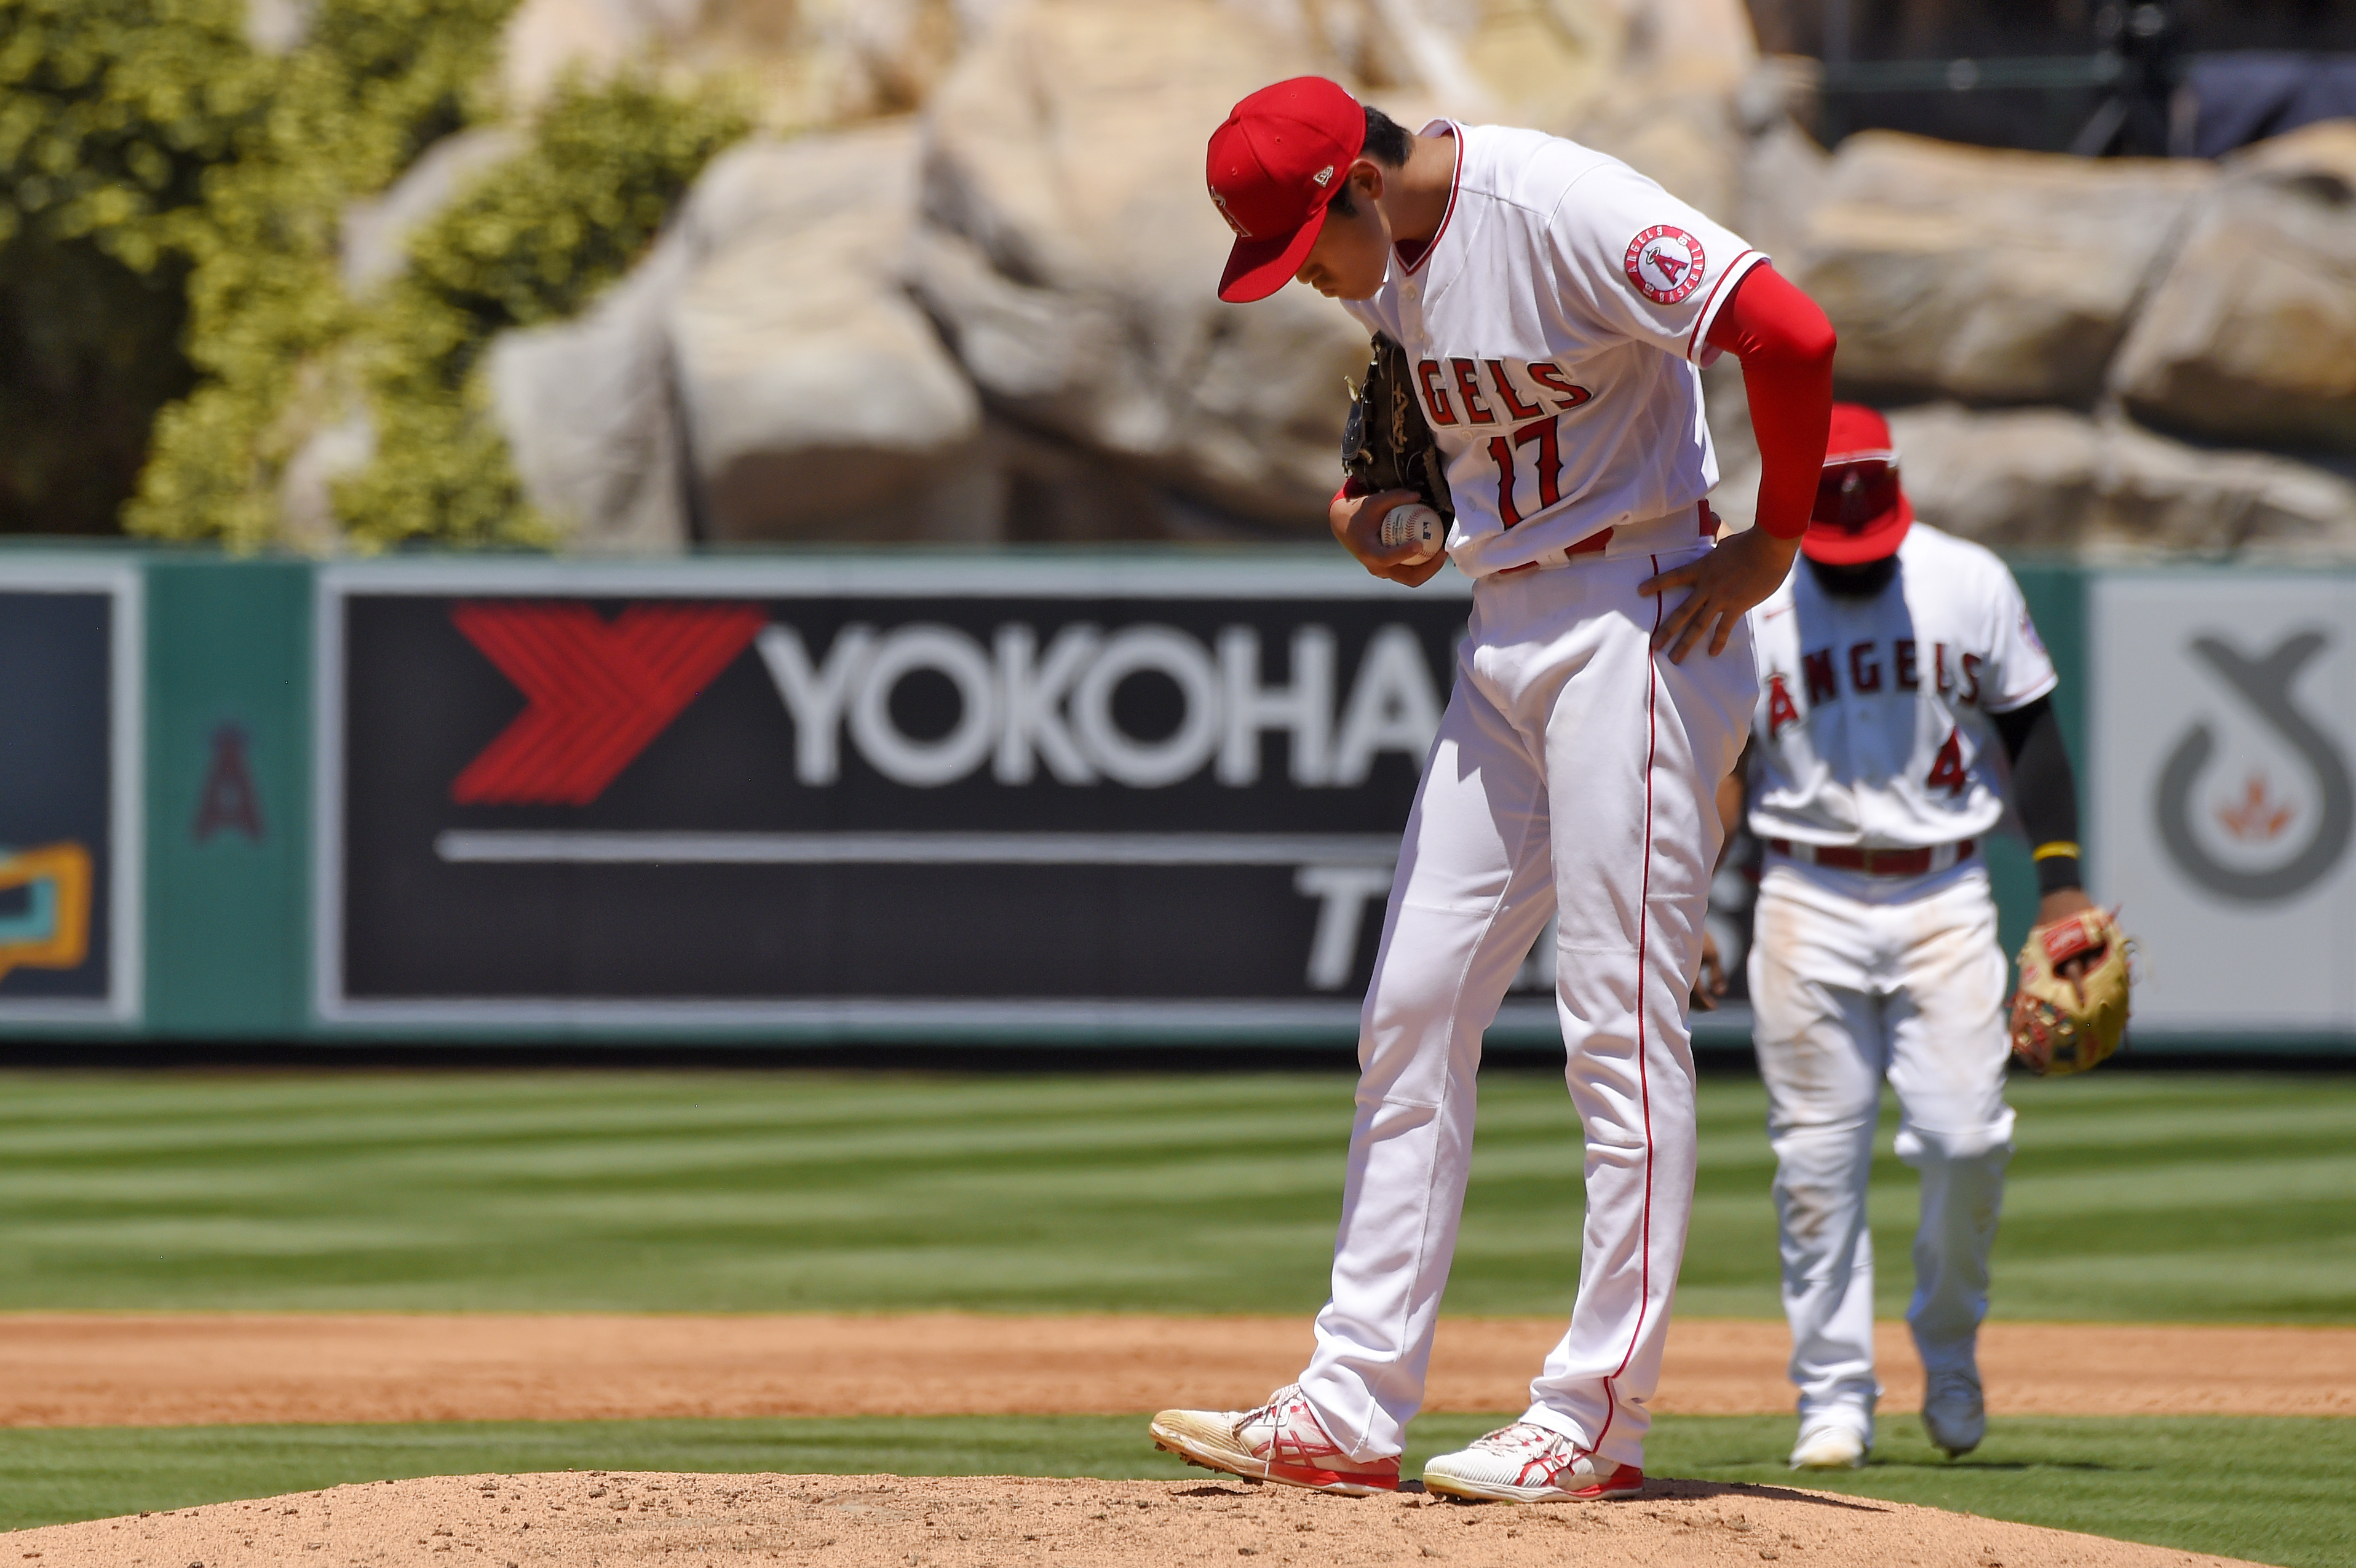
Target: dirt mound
{"points": [[583, 1521], [204, 1368]]}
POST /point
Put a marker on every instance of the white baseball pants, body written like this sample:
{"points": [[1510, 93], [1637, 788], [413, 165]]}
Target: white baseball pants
{"points": [[1853, 979], [1573, 775]]}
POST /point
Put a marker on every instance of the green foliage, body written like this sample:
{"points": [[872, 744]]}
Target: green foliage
{"points": [[371, 83], [529, 242], [111, 112], [157, 170]]}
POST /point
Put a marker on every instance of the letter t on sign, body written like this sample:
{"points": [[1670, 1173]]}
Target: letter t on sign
{"points": [[1342, 893]]}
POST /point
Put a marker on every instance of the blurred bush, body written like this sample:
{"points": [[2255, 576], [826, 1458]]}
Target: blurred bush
{"points": [[171, 201], [111, 113], [528, 243]]}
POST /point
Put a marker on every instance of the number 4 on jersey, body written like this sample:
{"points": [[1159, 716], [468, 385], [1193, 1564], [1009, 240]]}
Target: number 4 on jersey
{"points": [[1947, 769]]}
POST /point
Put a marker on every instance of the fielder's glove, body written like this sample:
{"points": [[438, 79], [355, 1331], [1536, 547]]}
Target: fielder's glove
{"points": [[1388, 444], [2064, 1024]]}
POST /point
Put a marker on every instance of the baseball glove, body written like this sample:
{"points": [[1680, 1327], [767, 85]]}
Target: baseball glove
{"points": [[2069, 1022], [1388, 444]]}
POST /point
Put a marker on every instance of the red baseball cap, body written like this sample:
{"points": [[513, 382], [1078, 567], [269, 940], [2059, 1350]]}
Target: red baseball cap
{"points": [[1271, 170], [1861, 512]]}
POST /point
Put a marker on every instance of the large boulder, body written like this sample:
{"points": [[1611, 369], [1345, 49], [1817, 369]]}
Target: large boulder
{"points": [[2251, 334], [545, 41], [1681, 132], [819, 400], [762, 374], [807, 62], [1068, 249], [1785, 175], [2051, 479], [1518, 62], [591, 422], [1990, 276]]}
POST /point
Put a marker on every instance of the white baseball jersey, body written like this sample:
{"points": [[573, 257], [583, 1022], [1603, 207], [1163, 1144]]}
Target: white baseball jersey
{"points": [[1555, 321], [1872, 727], [1552, 321]]}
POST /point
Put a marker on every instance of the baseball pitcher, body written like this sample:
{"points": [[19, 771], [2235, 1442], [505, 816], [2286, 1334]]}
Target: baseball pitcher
{"points": [[1538, 312], [1903, 698]]}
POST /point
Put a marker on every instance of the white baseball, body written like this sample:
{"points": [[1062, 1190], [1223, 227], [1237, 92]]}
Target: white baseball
{"points": [[1413, 522]]}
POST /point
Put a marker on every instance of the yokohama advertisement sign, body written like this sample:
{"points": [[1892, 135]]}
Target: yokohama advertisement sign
{"points": [[931, 796]]}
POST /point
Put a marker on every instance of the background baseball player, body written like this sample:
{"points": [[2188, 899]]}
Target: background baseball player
{"points": [[1902, 686], [1552, 304]]}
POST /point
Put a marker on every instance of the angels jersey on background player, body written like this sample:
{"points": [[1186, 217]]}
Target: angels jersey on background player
{"points": [[1535, 320], [1873, 715]]}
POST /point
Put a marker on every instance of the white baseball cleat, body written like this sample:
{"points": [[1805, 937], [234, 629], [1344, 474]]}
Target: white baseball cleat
{"points": [[1952, 1411], [1527, 1463], [1828, 1446], [1280, 1441]]}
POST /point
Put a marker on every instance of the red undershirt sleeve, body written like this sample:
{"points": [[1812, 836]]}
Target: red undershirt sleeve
{"points": [[1786, 349]]}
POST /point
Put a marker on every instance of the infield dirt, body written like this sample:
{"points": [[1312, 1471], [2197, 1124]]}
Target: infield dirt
{"points": [[200, 1369], [586, 1520]]}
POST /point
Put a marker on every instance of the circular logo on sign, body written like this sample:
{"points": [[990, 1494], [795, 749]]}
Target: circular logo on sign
{"points": [[1665, 263]]}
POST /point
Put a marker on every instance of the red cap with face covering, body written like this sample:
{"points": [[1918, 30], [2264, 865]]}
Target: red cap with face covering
{"points": [[1861, 513], [1272, 167]]}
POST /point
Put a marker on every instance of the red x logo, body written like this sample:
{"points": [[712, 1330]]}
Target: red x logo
{"points": [[600, 690]]}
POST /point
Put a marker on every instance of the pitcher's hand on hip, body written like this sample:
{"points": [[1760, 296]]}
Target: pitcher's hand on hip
{"points": [[1736, 575]]}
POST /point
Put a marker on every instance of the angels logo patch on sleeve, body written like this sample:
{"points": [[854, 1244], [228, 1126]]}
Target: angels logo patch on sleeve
{"points": [[1665, 263]]}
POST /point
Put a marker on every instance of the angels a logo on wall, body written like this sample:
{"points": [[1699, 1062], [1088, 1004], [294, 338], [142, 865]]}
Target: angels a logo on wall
{"points": [[2264, 818], [1665, 263]]}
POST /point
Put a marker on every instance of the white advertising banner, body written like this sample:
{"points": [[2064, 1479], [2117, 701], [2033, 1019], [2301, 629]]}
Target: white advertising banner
{"points": [[2223, 746]]}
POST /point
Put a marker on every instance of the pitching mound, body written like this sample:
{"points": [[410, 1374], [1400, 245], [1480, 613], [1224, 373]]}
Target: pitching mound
{"points": [[871, 1521]]}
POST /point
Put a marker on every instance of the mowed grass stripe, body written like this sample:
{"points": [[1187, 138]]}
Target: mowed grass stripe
{"points": [[891, 1119], [2221, 1197]]}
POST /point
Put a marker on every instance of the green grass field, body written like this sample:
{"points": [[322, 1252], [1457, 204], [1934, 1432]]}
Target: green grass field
{"points": [[2158, 1198], [2208, 1199]]}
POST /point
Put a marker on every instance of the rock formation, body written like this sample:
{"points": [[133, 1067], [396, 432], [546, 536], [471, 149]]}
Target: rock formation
{"points": [[820, 401], [992, 318], [1067, 252], [763, 375], [2048, 479], [2035, 321], [2250, 336], [1993, 276]]}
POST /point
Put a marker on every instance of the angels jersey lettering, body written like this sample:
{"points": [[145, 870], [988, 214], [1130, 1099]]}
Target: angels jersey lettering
{"points": [[1872, 727], [1556, 320]]}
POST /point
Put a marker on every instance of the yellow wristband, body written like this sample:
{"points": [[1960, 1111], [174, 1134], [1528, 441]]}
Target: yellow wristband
{"points": [[2055, 851]]}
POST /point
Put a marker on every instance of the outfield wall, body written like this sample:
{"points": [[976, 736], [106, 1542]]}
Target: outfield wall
{"points": [[1023, 795]]}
